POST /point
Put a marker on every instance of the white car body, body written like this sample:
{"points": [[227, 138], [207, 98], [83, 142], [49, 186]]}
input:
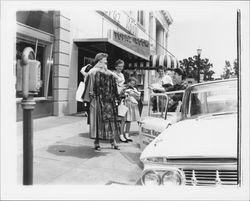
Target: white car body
{"points": [[200, 142], [201, 150], [151, 127]]}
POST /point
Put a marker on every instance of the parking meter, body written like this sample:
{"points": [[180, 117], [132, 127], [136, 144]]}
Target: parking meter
{"points": [[28, 83], [28, 74], [34, 76]]}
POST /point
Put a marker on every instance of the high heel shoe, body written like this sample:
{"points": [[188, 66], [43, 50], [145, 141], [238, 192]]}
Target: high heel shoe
{"points": [[97, 148], [127, 137], [122, 139], [114, 146]]}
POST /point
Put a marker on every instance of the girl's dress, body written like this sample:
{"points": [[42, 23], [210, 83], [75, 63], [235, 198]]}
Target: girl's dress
{"points": [[132, 95]]}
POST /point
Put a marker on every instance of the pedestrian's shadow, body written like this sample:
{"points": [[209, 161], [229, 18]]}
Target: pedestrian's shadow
{"points": [[86, 135], [83, 152]]}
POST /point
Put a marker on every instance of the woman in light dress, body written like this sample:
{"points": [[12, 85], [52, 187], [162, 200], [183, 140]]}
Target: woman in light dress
{"points": [[132, 95], [119, 65]]}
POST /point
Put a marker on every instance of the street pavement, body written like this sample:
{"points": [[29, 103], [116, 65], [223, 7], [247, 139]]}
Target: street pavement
{"points": [[63, 153]]}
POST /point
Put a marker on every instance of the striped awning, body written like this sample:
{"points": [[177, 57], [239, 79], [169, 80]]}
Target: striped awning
{"points": [[166, 60], [155, 61]]}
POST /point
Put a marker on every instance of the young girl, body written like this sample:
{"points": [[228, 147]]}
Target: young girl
{"points": [[132, 95]]}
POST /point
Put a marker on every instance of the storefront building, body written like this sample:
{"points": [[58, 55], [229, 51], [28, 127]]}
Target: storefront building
{"points": [[71, 41], [36, 29]]}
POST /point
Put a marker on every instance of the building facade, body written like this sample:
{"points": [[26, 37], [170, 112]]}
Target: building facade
{"points": [[65, 42]]}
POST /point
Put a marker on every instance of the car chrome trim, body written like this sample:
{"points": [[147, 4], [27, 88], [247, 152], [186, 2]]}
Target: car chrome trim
{"points": [[149, 171], [160, 172], [210, 177]]}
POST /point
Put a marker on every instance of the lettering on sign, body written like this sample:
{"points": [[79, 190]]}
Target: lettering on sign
{"points": [[138, 45], [123, 20], [131, 26], [122, 37], [115, 15], [150, 132], [155, 133], [147, 131]]}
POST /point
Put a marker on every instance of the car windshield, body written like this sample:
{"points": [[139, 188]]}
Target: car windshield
{"points": [[213, 99]]}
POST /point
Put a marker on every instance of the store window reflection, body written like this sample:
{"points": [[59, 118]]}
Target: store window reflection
{"points": [[40, 56]]}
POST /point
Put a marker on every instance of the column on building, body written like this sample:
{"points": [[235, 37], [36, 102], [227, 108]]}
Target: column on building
{"points": [[152, 33], [165, 41], [152, 39], [61, 64], [160, 40]]}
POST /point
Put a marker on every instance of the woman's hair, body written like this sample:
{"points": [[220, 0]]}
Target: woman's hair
{"points": [[160, 68], [119, 61], [132, 79], [181, 72], [100, 56]]}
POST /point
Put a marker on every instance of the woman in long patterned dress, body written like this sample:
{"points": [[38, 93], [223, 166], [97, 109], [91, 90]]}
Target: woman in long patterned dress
{"points": [[101, 92]]}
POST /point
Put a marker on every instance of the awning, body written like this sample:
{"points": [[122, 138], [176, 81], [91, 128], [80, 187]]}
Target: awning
{"points": [[133, 59], [114, 50], [166, 60]]}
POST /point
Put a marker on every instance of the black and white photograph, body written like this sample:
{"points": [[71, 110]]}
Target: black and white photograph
{"points": [[125, 100]]}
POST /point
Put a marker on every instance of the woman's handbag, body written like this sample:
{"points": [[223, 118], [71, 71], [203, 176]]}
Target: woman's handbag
{"points": [[80, 91], [122, 109]]}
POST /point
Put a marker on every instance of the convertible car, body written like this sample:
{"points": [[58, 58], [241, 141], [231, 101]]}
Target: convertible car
{"points": [[159, 116], [201, 148]]}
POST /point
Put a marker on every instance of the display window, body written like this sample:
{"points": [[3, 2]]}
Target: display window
{"points": [[43, 54]]}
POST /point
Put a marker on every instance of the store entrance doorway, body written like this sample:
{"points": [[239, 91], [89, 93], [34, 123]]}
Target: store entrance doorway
{"points": [[84, 58]]}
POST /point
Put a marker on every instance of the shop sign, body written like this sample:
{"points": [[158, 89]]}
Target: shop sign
{"points": [[123, 19], [138, 45]]}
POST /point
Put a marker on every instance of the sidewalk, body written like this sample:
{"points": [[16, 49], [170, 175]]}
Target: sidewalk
{"points": [[64, 154]]}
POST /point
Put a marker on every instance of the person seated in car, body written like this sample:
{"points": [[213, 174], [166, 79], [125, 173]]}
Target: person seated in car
{"points": [[179, 77], [162, 82]]}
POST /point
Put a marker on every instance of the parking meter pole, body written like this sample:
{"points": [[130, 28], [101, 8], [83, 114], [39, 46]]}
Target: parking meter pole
{"points": [[28, 106]]}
